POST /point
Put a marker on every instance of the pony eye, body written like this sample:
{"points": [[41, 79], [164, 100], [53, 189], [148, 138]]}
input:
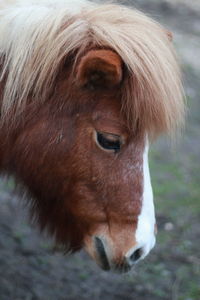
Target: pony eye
{"points": [[109, 141]]}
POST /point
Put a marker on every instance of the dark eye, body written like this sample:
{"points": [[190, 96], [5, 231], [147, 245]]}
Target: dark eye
{"points": [[109, 141]]}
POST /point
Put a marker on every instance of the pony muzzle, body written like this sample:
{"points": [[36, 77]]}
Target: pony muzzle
{"points": [[110, 256]]}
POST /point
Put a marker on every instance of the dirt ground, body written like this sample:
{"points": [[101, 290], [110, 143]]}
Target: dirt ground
{"points": [[30, 269]]}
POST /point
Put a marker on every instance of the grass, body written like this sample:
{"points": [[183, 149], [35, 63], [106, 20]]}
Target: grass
{"points": [[176, 190], [176, 186]]}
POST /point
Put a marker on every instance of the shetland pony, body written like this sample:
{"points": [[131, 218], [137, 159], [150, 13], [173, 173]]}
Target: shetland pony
{"points": [[83, 88]]}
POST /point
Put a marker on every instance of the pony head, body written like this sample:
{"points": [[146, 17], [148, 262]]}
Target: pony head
{"points": [[83, 91]]}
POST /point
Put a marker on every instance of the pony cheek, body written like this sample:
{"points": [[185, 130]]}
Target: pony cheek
{"points": [[80, 201]]}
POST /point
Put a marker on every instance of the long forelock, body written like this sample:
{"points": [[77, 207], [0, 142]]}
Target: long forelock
{"points": [[36, 36]]}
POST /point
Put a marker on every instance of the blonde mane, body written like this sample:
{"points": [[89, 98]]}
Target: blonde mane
{"points": [[35, 37]]}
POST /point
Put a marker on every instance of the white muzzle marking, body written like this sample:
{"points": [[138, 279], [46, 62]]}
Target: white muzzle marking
{"points": [[145, 235]]}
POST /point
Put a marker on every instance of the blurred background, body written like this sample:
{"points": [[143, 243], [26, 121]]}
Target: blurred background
{"points": [[31, 269]]}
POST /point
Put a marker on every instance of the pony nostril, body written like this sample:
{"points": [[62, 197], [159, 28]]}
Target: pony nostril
{"points": [[102, 253], [136, 255]]}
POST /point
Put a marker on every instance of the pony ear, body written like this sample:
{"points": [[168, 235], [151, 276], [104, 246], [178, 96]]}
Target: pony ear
{"points": [[99, 69]]}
